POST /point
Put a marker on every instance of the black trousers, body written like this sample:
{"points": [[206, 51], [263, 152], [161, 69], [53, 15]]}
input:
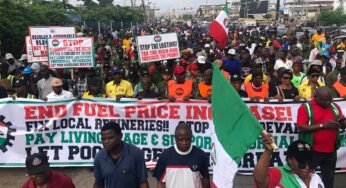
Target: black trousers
{"points": [[327, 163]]}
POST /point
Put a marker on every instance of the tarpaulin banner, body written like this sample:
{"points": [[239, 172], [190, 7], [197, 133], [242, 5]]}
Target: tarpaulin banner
{"points": [[69, 130], [158, 47], [39, 36], [29, 53], [71, 52]]}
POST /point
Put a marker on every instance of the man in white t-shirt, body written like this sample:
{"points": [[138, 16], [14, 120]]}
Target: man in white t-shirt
{"points": [[58, 92], [283, 61]]}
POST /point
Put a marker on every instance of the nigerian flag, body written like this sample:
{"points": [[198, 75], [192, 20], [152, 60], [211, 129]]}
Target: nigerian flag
{"points": [[235, 127]]}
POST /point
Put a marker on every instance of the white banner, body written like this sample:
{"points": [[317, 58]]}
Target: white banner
{"points": [[29, 53], [71, 52], [70, 130], [39, 36], [158, 47]]}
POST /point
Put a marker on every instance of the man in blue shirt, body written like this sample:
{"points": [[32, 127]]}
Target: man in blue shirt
{"points": [[119, 164], [231, 64]]}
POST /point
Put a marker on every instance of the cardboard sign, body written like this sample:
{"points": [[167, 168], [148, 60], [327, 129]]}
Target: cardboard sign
{"points": [[39, 36], [158, 47], [29, 53], [71, 52]]}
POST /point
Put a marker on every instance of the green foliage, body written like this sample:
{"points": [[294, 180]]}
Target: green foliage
{"points": [[328, 18], [17, 15]]}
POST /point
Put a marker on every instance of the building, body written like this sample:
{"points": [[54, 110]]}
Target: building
{"points": [[181, 13], [306, 9], [209, 12], [340, 4]]}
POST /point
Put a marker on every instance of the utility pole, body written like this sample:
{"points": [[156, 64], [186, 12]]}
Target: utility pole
{"points": [[277, 11]]}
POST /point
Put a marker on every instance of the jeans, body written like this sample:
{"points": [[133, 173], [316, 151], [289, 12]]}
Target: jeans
{"points": [[327, 163]]}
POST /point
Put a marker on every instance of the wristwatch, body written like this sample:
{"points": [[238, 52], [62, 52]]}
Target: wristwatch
{"points": [[321, 125]]}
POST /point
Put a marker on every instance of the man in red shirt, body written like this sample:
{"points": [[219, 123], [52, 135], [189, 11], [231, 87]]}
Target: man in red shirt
{"points": [[318, 123], [37, 167]]}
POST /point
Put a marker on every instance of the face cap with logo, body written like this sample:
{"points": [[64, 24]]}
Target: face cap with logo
{"points": [[178, 70], [301, 151], [36, 163]]}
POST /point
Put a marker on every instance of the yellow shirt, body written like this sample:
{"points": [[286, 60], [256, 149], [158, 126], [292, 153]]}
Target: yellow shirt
{"points": [[124, 88], [305, 90], [249, 77], [88, 96], [317, 38], [127, 43]]}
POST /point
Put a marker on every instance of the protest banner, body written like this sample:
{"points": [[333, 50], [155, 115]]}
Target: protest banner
{"points": [[158, 47], [39, 36], [71, 52], [29, 53], [69, 130]]}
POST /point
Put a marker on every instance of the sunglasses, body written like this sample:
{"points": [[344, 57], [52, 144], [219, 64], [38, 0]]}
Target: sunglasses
{"points": [[287, 78], [310, 164], [314, 75]]}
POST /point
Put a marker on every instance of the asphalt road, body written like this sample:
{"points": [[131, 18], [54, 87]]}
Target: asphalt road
{"points": [[83, 178]]}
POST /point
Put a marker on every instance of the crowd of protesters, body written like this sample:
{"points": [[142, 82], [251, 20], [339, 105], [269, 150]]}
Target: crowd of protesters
{"points": [[259, 64]]}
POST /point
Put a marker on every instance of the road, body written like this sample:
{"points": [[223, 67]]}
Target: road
{"points": [[83, 178]]}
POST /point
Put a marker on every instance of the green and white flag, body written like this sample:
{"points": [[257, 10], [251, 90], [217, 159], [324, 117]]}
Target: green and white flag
{"points": [[236, 129]]}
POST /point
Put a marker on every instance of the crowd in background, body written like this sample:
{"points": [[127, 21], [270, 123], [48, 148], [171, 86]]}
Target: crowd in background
{"points": [[260, 64]]}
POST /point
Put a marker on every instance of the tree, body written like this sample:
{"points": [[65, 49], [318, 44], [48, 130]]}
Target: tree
{"points": [[328, 18]]}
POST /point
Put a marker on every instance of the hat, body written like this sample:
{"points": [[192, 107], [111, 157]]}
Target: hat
{"points": [[186, 52], [19, 83], [27, 70], [56, 82], [116, 70], [315, 62], [179, 70], [192, 67], [107, 47], [300, 150], [276, 44], [37, 163], [144, 72], [8, 56], [201, 59], [231, 51], [35, 66], [207, 46], [341, 51], [23, 57], [235, 77]]}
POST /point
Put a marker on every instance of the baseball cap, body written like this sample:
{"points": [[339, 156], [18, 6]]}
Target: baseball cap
{"points": [[300, 150], [27, 70], [23, 57], [231, 51], [179, 70], [207, 46], [19, 83], [37, 163], [235, 77], [56, 82], [192, 67], [116, 70], [8, 56], [201, 59]]}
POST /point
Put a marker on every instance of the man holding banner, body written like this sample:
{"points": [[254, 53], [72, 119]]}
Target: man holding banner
{"points": [[318, 123]]}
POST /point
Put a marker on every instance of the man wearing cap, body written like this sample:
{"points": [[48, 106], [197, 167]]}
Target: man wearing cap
{"points": [[118, 164], [118, 87], [58, 92], [231, 64], [180, 88], [163, 85], [237, 83], [318, 123], [145, 88], [24, 60], [339, 87], [37, 167], [21, 88], [298, 172], [13, 63]]}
